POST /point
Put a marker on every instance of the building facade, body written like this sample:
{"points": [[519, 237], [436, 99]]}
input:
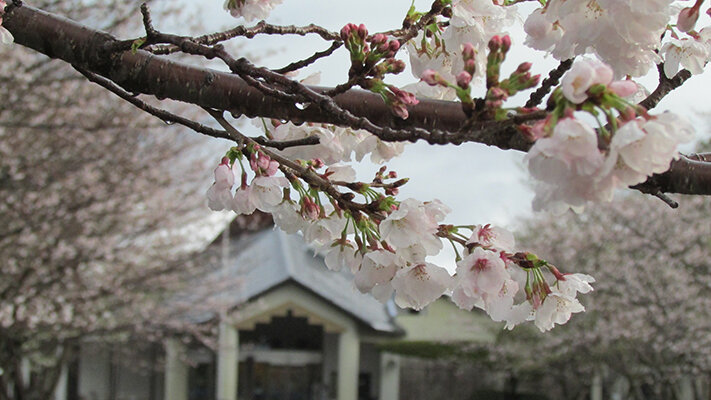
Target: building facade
{"points": [[290, 329]]}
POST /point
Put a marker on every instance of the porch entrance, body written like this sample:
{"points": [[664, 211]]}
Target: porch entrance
{"points": [[281, 360]]}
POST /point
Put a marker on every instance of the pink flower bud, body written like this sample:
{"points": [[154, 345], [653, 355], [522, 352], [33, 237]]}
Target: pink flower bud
{"points": [[398, 66], [623, 88], [687, 19], [272, 168], [523, 68], [463, 79], [403, 96], [430, 77], [505, 43], [346, 31], [394, 45], [362, 31], [468, 52], [495, 43], [379, 38], [225, 161], [470, 66]]}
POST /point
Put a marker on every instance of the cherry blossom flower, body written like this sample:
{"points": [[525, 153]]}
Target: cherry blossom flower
{"points": [[378, 267], [582, 76], [219, 195], [343, 255], [691, 54], [643, 147], [266, 191], [5, 35], [242, 203], [556, 309], [287, 217], [493, 237], [418, 286], [481, 272], [570, 284], [566, 163], [623, 34], [542, 33], [251, 9], [411, 224]]}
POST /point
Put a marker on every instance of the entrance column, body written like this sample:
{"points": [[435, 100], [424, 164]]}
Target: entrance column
{"points": [[176, 371], [348, 364], [227, 358], [389, 376]]}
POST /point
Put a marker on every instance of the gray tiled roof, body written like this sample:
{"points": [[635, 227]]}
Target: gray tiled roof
{"points": [[269, 258]]}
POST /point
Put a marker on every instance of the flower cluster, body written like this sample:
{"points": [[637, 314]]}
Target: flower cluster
{"points": [[387, 248], [371, 59], [263, 193], [251, 9], [498, 91], [625, 35], [575, 164], [472, 23], [336, 144], [513, 287]]}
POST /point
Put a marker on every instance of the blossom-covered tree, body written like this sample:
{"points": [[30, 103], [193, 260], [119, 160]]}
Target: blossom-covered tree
{"points": [[648, 322], [88, 205], [588, 128]]}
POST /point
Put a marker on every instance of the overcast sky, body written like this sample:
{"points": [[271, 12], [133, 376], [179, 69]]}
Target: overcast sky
{"points": [[481, 184]]}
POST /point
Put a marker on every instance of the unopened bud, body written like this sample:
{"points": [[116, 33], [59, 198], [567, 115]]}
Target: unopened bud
{"points": [[463, 79], [346, 31], [624, 88], [687, 19], [505, 43], [394, 45], [398, 66], [430, 77], [468, 51], [470, 66], [523, 68], [379, 38], [495, 43], [362, 31]]}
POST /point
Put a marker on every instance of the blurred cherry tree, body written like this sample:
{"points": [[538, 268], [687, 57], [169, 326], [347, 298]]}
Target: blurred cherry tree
{"points": [[89, 194], [647, 325]]}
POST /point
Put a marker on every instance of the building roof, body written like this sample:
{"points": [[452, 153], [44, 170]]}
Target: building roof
{"points": [[269, 258]]}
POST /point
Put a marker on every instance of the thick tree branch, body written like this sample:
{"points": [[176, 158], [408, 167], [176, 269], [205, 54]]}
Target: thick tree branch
{"points": [[437, 122]]}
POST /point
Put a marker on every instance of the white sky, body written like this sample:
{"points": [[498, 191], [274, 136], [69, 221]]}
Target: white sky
{"points": [[480, 184]]}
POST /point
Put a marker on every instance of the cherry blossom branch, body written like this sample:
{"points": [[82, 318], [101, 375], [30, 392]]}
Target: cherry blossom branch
{"points": [[163, 115], [665, 86], [345, 201], [549, 83], [437, 122], [310, 60], [249, 32], [167, 116]]}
